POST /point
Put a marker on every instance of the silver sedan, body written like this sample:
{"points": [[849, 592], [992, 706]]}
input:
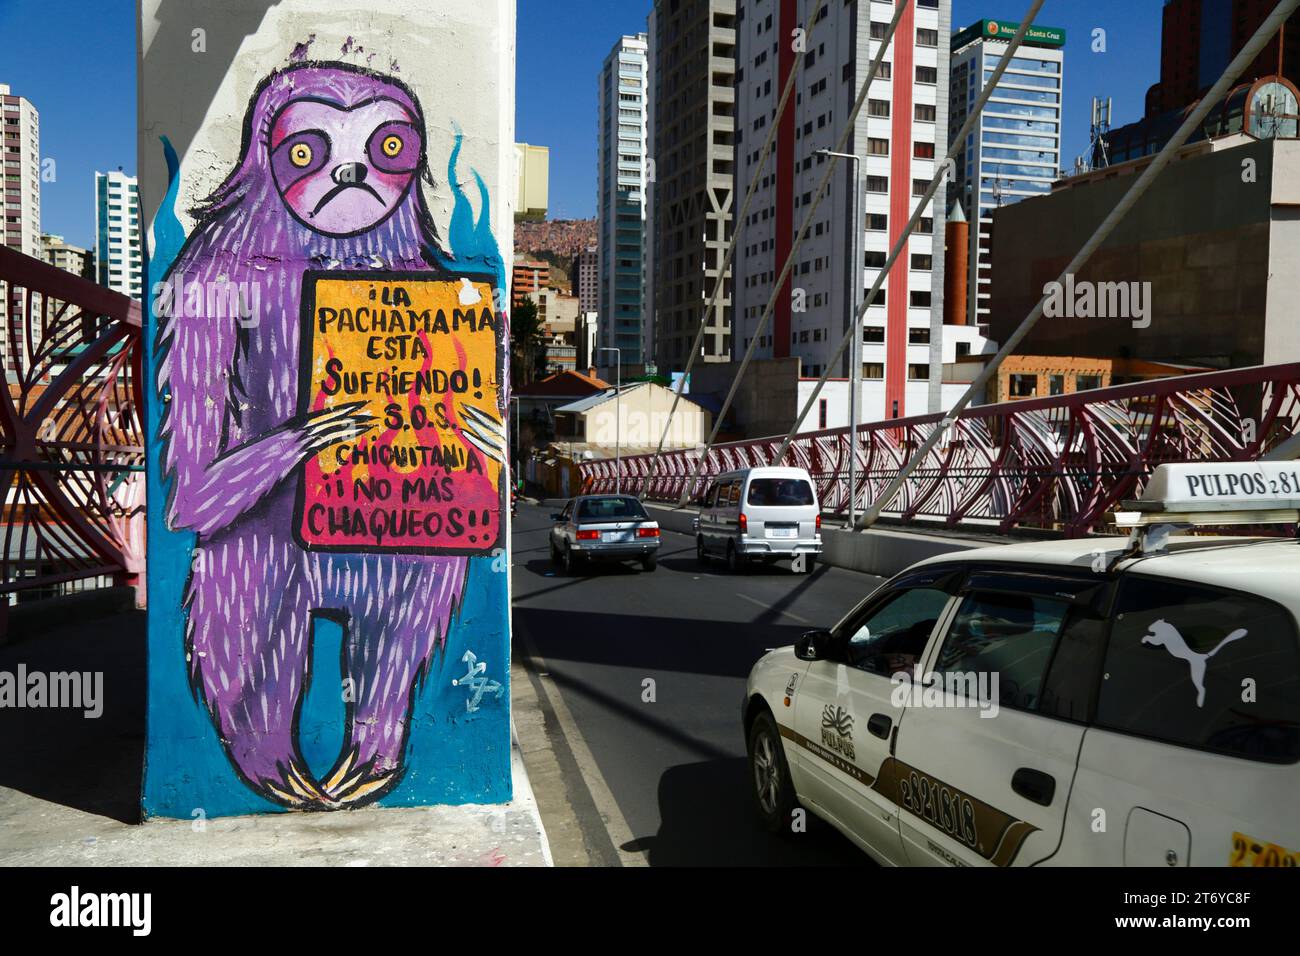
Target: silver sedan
{"points": [[603, 528]]}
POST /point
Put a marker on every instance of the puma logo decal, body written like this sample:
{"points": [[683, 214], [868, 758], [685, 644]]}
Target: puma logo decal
{"points": [[1163, 634]]}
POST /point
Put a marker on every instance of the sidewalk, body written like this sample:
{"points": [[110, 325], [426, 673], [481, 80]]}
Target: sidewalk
{"points": [[37, 833], [64, 805]]}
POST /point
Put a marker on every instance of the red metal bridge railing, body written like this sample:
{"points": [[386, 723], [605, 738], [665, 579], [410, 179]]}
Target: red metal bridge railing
{"points": [[71, 437], [1057, 463]]}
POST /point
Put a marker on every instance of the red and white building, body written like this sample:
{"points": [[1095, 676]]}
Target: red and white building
{"points": [[900, 135]]}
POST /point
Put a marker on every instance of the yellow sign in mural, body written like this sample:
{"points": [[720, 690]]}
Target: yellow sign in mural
{"points": [[419, 356]]}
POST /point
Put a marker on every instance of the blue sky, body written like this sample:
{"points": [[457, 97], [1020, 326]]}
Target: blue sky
{"points": [[560, 54], [79, 70], [75, 60]]}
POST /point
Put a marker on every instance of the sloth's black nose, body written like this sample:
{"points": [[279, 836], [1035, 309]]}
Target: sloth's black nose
{"points": [[349, 173]]}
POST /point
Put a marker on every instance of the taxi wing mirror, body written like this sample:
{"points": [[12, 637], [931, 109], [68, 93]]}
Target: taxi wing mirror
{"points": [[813, 645], [557, 517]]}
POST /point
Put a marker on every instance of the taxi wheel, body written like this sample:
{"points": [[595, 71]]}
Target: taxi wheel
{"points": [[555, 554], [769, 775], [701, 556], [649, 562], [572, 565]]}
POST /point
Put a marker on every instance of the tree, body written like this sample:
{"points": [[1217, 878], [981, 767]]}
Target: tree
{"points": [[525, 341]]}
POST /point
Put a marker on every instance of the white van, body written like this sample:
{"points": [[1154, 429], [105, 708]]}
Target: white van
{"points": [[760, 515]]}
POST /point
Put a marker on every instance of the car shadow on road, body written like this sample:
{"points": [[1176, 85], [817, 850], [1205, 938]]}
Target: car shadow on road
{"points": [[672, 644], [707, 821], [94, 764]]}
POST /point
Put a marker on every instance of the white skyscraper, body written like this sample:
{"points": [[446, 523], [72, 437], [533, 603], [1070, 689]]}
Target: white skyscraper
{"points": [[621, 200], [117, 231], [898, 136], [1015, 150], [20, 200]]}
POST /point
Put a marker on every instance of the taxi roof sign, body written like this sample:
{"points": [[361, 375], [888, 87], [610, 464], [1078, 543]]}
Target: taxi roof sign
{"points": [[1217, 493]]}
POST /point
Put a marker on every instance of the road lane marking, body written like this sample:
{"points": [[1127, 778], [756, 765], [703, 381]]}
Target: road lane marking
{"points": [[768, 607], [620, 833]]}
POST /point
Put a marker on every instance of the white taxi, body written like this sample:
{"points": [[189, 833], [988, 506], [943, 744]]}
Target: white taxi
{"points": [[1106, 701]]}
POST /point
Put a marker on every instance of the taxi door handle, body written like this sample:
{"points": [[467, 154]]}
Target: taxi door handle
{"points": [[1034, 785], [879, 725]]}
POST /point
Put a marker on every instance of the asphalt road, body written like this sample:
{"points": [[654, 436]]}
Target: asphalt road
{"points": [[675, 765]]}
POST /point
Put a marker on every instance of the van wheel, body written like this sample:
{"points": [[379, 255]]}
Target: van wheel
{"points": [[769, 775], [809, 564], [701, 556], [735, 563]]}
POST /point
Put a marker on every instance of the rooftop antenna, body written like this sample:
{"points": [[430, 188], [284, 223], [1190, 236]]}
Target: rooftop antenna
{"points": [[1101, 113]]}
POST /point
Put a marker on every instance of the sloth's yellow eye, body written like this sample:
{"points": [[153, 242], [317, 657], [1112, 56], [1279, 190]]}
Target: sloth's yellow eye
{"points": [[392, 146], [300, 155]]}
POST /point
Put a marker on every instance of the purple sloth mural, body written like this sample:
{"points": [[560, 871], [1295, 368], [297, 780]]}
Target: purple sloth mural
{"points": [[328, 180]]}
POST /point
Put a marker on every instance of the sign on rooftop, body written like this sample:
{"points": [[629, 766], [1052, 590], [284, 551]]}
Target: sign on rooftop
{"points": [[1005, 30]]}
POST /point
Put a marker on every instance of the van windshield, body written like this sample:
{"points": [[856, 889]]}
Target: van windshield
{"points": [[780, 492]]}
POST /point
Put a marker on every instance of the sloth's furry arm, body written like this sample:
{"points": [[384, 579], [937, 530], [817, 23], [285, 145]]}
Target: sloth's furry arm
{"points": [[213, 484]]}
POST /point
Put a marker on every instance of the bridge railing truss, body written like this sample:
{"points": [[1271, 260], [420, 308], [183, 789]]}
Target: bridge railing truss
{"points": [[1059, 463], [71, 435]]}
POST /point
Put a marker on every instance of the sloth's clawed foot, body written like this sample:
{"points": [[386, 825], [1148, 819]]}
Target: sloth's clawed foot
{"points": [[352, 785], [297, 788]]}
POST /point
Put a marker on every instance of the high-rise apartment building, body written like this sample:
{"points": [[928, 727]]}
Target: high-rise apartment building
{"points": [[117, 230], [1014, 150], [64, 255], [897, 134], [20, 199], [694, 46], [621, 200], [1199, 38], [532, 182], [587, 277]]}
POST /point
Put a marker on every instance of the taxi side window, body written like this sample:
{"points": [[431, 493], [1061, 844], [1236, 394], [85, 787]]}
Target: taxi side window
{"points": [[892, 636], [1205, 668], [1071, 684], [1005, 635], [568, 510]]}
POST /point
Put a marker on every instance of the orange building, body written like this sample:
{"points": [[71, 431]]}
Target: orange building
{"points": [[526, 278], [1042, 376]]}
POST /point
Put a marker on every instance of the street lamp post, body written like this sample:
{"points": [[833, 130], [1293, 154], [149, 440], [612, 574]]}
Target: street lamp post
{"points": [[856, 204], [618, 415]]}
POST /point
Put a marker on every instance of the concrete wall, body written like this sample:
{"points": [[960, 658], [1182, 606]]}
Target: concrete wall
{"points": [[765, 403], [1202, 236], [881, 551], [1281, 330], [325, 631]]}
